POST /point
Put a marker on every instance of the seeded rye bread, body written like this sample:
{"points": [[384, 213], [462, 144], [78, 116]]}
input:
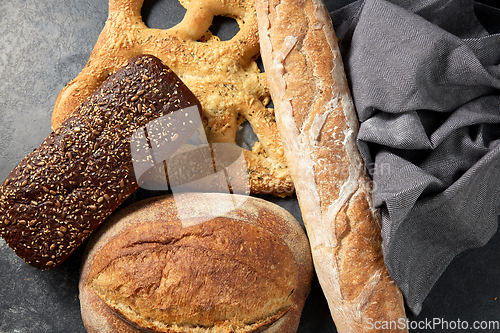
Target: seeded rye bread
{"points": [[62, 191], [217, 270], [318, 126]]}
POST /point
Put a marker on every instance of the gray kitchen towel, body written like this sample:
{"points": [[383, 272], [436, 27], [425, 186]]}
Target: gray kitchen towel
{"points": [[425, 79]]}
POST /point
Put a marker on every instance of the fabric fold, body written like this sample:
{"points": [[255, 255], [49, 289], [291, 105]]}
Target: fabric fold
{"points": [[425, 79]]}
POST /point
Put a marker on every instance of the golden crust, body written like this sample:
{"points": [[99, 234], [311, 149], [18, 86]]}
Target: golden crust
{"points": [[222, 74], [318, 127], [247, 270]]}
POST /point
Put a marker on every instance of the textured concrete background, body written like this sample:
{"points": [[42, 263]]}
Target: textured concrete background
{"points": [[45, 44]]}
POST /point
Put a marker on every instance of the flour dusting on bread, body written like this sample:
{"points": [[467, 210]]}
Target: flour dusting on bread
{"points": [[318, 127]]}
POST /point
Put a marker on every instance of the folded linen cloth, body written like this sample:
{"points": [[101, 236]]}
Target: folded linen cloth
{"points": [[425, 79]]}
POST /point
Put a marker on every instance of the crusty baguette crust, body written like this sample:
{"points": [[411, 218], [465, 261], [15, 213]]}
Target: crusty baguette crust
{"points": [[318, 127], [247, 262]]}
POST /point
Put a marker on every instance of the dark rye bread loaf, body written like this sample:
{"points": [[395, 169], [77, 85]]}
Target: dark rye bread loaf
{"points": [[62, 191]]}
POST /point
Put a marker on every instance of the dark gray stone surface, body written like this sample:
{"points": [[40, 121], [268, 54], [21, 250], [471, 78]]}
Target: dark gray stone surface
{"points": [[45, 44]]}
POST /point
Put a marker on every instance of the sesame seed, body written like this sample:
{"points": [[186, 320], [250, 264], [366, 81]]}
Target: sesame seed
{"points": [[109, 122]]}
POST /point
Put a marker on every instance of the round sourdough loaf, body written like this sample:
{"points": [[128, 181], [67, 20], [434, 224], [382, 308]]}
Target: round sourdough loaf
{"points": [[196, 263]]}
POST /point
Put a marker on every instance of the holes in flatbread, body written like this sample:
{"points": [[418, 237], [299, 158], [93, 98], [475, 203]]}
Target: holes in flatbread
{"points": [[259, 63], [162, 14], [224, 27], [245, 136]]}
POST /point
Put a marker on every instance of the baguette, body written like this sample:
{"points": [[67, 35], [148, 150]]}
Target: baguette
{"points": [[185, 263], [62, 191], [318, 126]]}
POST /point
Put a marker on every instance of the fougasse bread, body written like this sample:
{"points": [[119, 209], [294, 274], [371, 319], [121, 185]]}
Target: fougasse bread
{"points": [[223, 75], [196, 262], [63, 190], [318, 125]]}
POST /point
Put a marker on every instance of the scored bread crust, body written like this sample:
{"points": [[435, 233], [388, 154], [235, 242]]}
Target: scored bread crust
{"points": [[318, 127], [265, 256]]}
